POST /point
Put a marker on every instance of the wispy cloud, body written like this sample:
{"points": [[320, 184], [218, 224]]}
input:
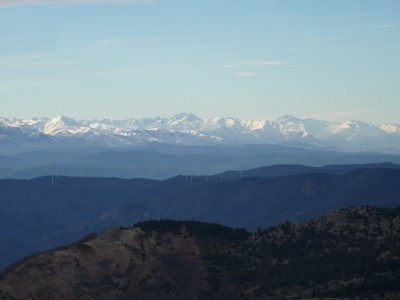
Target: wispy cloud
{"points": [[248, 68], [16, 86], [385, 26], [8, 3], [385, 29], [107, 42], [245, 74], [64, 34], [57, 34], [250, 64], [265, 63], [29, 61]]}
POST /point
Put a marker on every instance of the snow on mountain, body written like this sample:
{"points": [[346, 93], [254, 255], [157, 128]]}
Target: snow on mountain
{"points": [[38, 123], [185, 121], [291, 127], [223, 125], [61, 125], [23, 125], [14, 139], [356, 131], [391, 128], [255, 125], [189, 129]]}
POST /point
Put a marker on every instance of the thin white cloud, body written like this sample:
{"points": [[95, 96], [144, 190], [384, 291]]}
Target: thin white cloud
{"points": [[385, 29], [29, 61], [385, 26], [29, 36], [247, 68], [13, 86], [225, 67], [265, 63], [250, 64], [245, 74], [107, 42], [8, 3], [65, 34]]}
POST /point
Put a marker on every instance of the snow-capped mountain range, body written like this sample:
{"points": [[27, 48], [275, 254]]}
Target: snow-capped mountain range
{"points": [[189, 129]]}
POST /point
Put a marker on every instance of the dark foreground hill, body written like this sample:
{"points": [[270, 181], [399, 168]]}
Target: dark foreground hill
{"points": [[44, 213], [347, 254]]}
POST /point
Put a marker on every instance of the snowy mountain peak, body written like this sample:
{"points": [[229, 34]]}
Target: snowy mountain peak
{"points": [[186, 117], [61, 125], [185, 121], [64, 119], [361, 127], [287, 119], [189, 129]]}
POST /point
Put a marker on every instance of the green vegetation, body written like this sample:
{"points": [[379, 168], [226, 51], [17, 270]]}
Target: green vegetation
{"points": [[195, 228], [352, 253]]}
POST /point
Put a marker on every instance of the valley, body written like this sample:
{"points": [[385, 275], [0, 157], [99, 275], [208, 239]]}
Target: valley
{"points": [[52, 211]]}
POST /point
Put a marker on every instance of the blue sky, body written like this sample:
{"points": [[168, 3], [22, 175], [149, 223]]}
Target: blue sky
{"points": [[253, 59]]}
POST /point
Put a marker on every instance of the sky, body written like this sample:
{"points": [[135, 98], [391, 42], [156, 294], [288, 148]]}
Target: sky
{"points": [[252, 59]]}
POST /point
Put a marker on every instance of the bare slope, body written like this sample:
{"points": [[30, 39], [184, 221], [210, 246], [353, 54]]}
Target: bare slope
{"points": [[349, 253]]}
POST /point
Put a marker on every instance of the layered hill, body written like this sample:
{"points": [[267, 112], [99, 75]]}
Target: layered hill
{"points": [[46, 212], [347, 254], [162, 161]]}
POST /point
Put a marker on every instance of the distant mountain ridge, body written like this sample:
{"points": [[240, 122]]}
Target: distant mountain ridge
{"points": [[189, 129], [162, 161]]}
